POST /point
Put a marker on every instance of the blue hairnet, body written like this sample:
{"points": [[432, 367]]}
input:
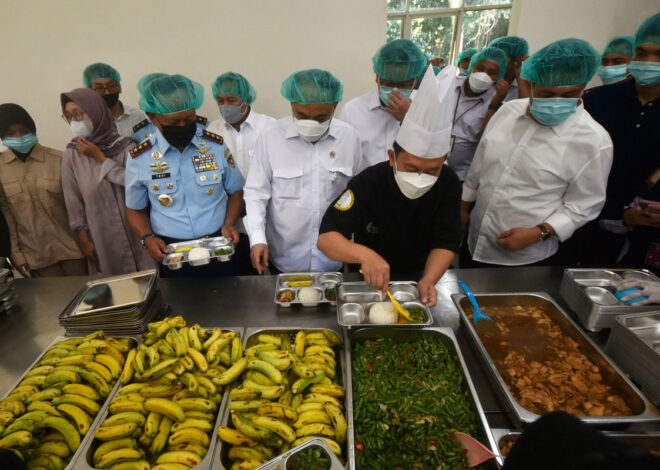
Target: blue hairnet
{"points": [[494, 54], [97, 71], [620, 45], [566, 62], [312, 86], [513, 46], [466, 54], [649, 31], [235, 84], [399, 60], [144, 81], [169, 94]]}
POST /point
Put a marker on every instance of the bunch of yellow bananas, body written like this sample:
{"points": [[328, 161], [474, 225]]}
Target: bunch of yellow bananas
{"points": [[44, 417], [172, 388], [289, 395]]}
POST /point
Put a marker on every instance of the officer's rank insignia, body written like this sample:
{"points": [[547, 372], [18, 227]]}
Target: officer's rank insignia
{"points": [[230, 158], [140, 125], [140, 149], [204, 162], [345, 201], [202, 120], [203, 150], [212, 137]]}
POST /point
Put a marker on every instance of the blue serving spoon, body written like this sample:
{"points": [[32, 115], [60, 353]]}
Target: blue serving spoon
{"points": [[478, 314]]}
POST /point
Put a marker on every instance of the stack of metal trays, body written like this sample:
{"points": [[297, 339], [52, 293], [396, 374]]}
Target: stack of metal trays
{"points": [[118, 305], [7, 293], [590, 294], [634, 344]]}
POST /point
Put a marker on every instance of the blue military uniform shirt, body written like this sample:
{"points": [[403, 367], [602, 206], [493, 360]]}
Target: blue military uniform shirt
{"points": [[187, 192]]}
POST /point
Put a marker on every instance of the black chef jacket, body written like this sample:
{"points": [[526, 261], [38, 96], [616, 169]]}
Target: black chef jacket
{"points": [[403, 231]]}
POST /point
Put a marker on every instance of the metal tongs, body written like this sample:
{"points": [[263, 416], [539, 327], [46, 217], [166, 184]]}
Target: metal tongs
{"points": [[478, 313]]}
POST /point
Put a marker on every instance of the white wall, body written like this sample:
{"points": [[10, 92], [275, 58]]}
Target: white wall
{"points": [[46, 44]]}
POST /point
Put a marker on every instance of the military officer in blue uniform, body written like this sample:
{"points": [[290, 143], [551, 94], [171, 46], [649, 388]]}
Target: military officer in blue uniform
{"points": [[182, 182]]}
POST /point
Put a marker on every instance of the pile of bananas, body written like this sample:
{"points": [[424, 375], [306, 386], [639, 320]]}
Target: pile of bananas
{"points": [[172, 387], [288, 396], [44, 417]]}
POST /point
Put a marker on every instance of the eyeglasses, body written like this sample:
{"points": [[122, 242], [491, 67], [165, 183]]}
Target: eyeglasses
{"points": [[76, 116], [112, 88]]}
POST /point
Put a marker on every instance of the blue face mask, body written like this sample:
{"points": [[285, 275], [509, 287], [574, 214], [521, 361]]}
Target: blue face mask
{"points": [[612, 73], [645, 73], [21, 144], [552, 111], [386, 90]]}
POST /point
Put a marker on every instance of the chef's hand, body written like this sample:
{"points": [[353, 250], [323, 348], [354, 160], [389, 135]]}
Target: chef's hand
{"points": [[259, 257], [519, 238], [376, 271], [397, 105], [156, 247], [231, 234], [24, 269], [89, 251], [90, 149], [648, 289], [639, 216], [427, 292]]}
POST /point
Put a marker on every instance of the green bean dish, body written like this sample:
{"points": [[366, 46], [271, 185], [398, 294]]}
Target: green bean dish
{"points": [[409, 396]]}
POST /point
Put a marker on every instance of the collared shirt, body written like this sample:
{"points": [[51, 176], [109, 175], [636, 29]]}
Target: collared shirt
{"points": [[635, 132], [512, 94], [290, 185], [130, 118], [468, 122], [32, 202], [525, 174], [187, 192], [241, 144], [376, 127]]}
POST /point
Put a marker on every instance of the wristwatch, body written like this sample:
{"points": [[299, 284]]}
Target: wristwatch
{"points": [[144, 238], [545, 233]]}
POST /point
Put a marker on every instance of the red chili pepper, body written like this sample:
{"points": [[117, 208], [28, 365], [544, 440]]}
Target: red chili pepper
{"points": [[410, 351], [371, 368], [359, 445], [371, 343], [419, 383], [465, 451], [434, 442], [447, 436]]}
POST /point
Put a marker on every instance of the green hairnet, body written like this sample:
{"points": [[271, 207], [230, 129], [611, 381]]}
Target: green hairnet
{"points": [[144, 81], [169, 94], [566, 62], [466, 54], [97, 71], [312, 86], [235, 84], [620, 45], [494, 54], [649, 31], [513, 46], [399, 60]]}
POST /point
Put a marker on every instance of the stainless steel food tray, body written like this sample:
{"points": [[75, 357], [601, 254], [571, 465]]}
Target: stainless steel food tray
{"points": [[217, 247], [319, 281], [634, 344], [590, 294], [281, 462], [355, 299], [88, 448], [408, 334], [612, 375], [220, 459], [96, 421]]}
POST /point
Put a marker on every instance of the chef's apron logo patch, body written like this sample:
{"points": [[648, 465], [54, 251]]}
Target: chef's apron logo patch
{"points": [[345, 201], [230, 158]]}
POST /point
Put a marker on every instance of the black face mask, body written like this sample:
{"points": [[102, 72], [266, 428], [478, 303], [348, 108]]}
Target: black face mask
{"points": [[179, 136], [111, 99]]}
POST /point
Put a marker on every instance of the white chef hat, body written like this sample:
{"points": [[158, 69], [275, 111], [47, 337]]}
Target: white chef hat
{"points": [[426, 130]]}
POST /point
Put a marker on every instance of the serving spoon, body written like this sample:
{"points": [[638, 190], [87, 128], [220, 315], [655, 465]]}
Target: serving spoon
{"points": [[399, 308], [478, 313]]}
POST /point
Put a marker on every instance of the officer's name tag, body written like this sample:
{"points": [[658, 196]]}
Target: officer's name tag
{"points": [[160, 176]]}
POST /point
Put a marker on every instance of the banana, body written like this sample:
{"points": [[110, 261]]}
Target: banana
{"points": [[232, 373], [82, 420], [190, 381], [207, 384], [40, 406], [334, 447], [189, 459], [316, 429], [49, 461], [333, 390], [187, 363], [253, 350], [243, 393], [96, 381], [338, 421], [90, 350], [100, 369], [110, 362], [65, 428], [153, 356], [55, 448], [197, 404], [186, 447], [17, 407], [252, 405], [166, 408], [321, 358], [160, 441], [132, 465], [193, 338], [170, 466], [231, 436], [259, 378], [159, 390], [267, 392], [90, 406], [127, 406], [310, 417], [161, 369], [112, 351], [185, 335], [38, 380], [44, 395], [25, 388], [53, 436], [247, 464], [193, 423], [236, 349], [311, 350], [215, 335], [281, 364], [199, 359], [278, 427], [129, 367], [286, 398], [109, 446], [301, 384], [319, 398], [152, 423], [130, 388], [277, 410], [299, 344], [315, 366], [117, 456], [247, 428], [245, 453], [82, 390], [17, 439], [21, 425], [76, 360], [300, 369], [116, 431], [164, 348], [332, 337], [62, 376], [40, 370], [131, 397], [174, 340], [191, 435], [7, 417], [20, 396], [125, 417], [269, 339], [265, 368], [56, 352], [215, 348]]}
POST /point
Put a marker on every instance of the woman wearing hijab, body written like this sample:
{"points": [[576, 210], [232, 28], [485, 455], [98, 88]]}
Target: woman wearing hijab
{"points": [[93, 175], [32, 202]]}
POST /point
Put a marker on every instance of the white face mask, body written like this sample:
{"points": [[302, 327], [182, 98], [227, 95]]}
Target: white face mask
{"points": [[311, 130], [82, 128], [413, 185], [480, 81]]}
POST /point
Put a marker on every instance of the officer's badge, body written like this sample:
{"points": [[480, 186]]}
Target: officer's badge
{"points": [[140, 149], [140, 125], [345, 201], [230, 158]]}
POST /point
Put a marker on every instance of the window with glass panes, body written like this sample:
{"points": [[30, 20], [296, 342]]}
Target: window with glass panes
{"points": [[443, 28]]}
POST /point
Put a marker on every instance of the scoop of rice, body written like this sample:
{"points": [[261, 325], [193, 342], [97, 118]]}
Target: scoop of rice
{"points": [[309, 294], [383, 312], [198, 254]]}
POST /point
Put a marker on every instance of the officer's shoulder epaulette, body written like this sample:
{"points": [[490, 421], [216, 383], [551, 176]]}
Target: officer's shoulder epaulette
{"points": [[202, 120], [140, 125], [141, 148], [214, 137]]}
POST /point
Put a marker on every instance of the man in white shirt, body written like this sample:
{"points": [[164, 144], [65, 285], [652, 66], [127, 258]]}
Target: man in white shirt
{"points": [[106, 81], [377, 115], [517, 51], [541, 168], [301, 164]]}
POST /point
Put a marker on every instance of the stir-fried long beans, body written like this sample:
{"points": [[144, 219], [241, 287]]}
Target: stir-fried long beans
{"points": [[408, 399], [311, 458]]}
